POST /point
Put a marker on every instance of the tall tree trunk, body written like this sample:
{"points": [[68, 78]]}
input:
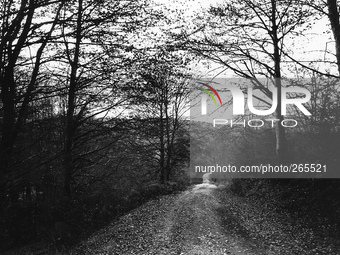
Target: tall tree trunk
{"points": [[162, 146], [9, 55], [70, 120], [170, 146], [280, 130], [14, 118], [168, 141], [8, 58], [8, 123], [333, 16]]}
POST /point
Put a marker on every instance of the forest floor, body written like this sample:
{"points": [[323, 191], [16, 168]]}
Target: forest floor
{"points": [[205, 220]]}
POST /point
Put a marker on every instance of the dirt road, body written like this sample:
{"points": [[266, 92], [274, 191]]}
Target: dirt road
{"points": [[205, 220]]}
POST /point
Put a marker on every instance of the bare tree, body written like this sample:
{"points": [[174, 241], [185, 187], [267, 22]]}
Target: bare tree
{"points": [[97, 51], [333, 16], [21, 32], [162, 90], [249, 38]]}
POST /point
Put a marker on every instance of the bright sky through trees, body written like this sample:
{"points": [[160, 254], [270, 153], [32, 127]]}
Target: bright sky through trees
{"points": [[313, 48]]}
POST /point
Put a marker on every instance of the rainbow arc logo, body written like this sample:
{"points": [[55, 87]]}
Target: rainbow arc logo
{"points": [[213, 90], [204, 99]]}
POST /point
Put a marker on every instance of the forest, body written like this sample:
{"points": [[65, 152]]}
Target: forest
{"points": [[95, 102]]}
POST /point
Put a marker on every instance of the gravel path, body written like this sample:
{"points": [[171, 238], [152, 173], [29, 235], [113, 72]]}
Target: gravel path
{"points": [[186, 223], [204, 220]]}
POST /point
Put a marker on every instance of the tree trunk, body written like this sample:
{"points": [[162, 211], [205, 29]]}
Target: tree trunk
{"points": [[9, 116], [14, 118], [169, 144], [280, 130], [162, 146], [71, 125], [8, 58], [333, 16]]}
